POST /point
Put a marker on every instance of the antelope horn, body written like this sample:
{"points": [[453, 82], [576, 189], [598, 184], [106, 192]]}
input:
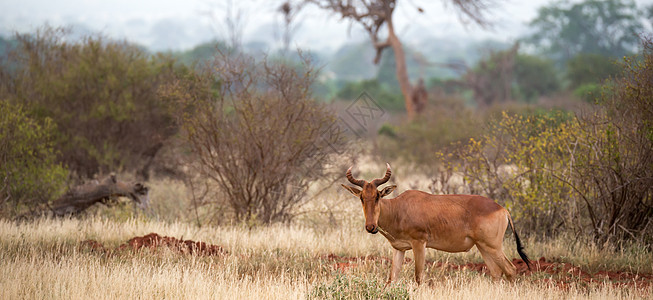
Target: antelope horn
{"points": [[388, 173], [358, 182]]}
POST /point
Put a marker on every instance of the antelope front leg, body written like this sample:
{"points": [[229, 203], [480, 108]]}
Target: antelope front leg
{"points": [[419, 250], [397, 261]]}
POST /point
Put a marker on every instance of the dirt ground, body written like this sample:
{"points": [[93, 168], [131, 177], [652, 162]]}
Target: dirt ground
{"points": [[546, 271], [542, 270]]}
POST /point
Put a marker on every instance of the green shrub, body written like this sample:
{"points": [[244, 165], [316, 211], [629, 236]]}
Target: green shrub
{"points": [[590, 175], [535, 76], [588, 92], [513, 162], [388, 130], [343, 287], [101, 94], [29, 173], [382, 95], [615, 167], [590, 68]]}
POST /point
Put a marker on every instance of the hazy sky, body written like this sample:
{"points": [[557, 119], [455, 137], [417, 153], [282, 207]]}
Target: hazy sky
{"points": [[179, 25]]}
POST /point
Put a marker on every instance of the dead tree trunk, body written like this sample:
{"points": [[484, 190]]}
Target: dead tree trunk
{"points": [[393, 41], [402, 70], [80, 198]]}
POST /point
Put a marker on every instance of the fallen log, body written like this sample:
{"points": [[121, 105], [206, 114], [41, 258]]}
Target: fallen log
{"points": [[81, 197]]}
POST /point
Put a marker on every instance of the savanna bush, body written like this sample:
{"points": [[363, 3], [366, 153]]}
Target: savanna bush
{"points": [[256, 134], [101, 94], [614, 165], [591, 174], [513, 162], [29, 172]]}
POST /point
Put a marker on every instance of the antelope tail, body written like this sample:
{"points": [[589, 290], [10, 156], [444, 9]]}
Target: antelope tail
{"points": [[520, 248]]}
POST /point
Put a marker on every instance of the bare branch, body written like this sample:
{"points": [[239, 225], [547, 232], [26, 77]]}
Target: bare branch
{"points": [[475, 10], [262, 147]]}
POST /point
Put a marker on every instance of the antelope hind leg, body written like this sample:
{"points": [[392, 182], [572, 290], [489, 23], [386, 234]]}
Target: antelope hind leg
{"points": [[492, 266]]}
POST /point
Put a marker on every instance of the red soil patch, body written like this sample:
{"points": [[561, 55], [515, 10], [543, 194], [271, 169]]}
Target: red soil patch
{"points": [[563, 274], [155, 241], [557, 273]]}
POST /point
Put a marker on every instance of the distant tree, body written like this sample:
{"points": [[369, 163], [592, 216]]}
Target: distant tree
{"points": [[535, 76], [492, 78], [376, 16], [606, 27], [505, 75], [590, 69], [349, 63], [202, 52], [385, 97]]}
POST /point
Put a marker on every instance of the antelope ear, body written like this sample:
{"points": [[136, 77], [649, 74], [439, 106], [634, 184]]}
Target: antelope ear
{"points": [[352, 190], [387, 190]]}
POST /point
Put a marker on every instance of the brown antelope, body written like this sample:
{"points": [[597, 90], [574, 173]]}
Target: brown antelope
{"points": [[453, 223]]}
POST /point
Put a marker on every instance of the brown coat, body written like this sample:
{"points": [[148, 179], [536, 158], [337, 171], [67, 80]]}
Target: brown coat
{"points": [[416, 220]]}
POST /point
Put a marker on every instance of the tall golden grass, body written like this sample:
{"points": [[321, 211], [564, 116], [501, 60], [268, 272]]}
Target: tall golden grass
{"points": [[44, 260]]}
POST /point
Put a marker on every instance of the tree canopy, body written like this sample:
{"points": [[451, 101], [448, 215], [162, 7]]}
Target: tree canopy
{"points": [[606, 27], [101, 95]]}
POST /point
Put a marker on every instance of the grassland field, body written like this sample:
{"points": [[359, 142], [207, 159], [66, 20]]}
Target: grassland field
{"points": [[313, 258], [44, 260]]}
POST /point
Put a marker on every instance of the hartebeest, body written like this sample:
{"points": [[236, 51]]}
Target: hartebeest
{"points": [[453, 223]]}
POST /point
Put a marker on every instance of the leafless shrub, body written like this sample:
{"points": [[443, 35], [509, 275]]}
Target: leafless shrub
{"points": [[256, 134]]}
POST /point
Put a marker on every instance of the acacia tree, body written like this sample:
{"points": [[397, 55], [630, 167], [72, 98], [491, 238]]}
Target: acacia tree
{"points": [[376, 17]]}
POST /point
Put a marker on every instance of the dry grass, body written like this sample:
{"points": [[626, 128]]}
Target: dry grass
{"points": [[43, 260]]}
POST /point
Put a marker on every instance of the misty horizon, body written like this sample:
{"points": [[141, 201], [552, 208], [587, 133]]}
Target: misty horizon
{"points": [[170, 26]]}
